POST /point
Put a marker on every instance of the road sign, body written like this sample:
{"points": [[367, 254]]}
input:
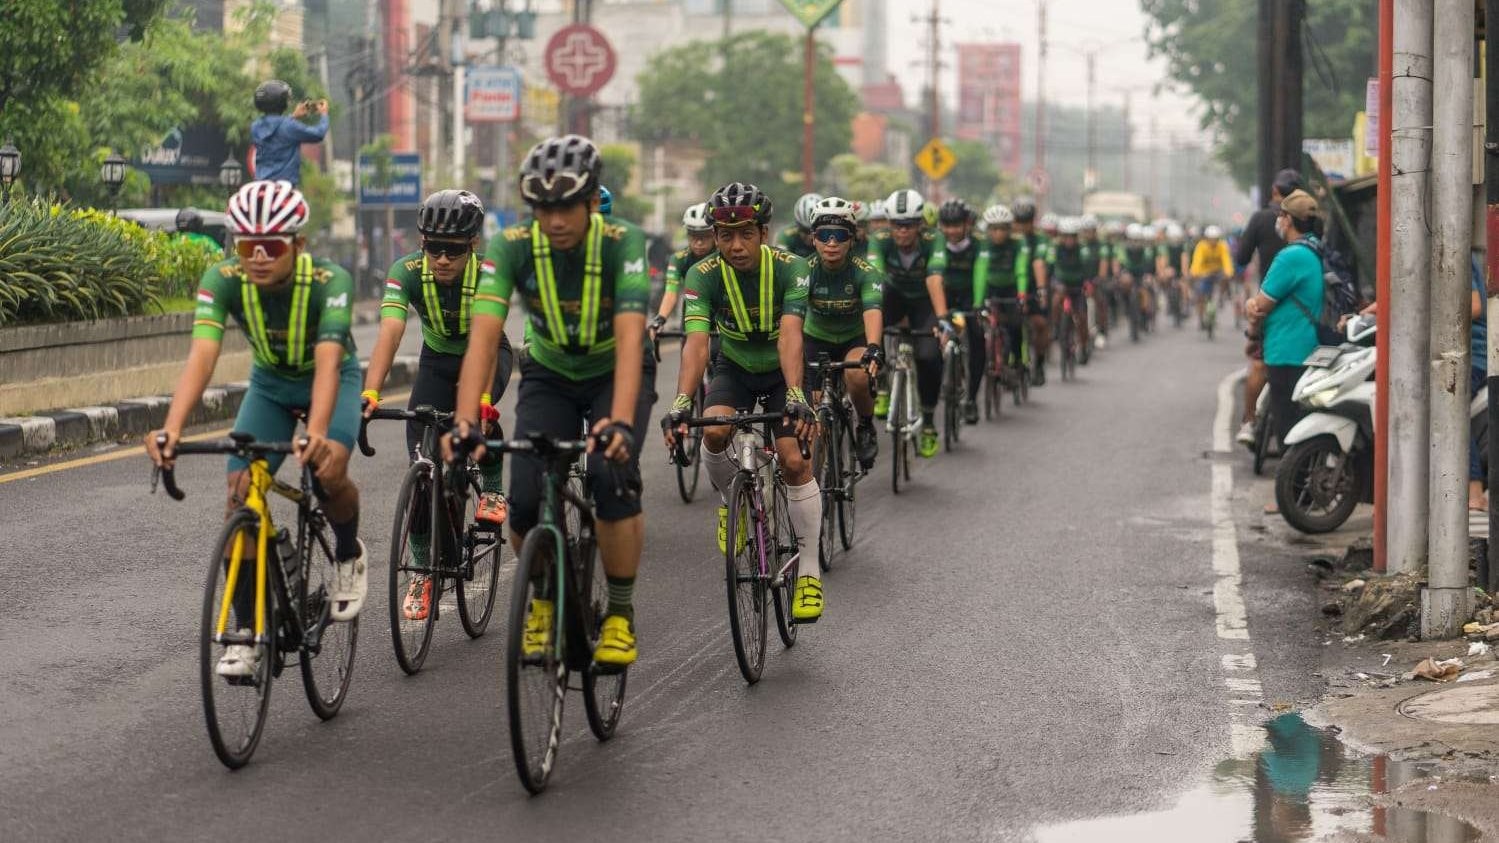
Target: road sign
{"points": [[404, 189], [579, 60], [936, 160], [493, 94], [811, 12]]}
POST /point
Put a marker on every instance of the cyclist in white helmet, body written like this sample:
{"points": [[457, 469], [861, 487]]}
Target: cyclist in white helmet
{"points": [[797, 238], [878, 219], [699, 245]]}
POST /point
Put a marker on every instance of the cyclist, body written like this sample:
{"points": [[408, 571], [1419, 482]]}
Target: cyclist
{"points": [[1003, 272], [583, 280], [1075, 264], [699, 246], [843, 308], [959, 279], [440, 281], [1037, 307], [295, 311], [757, 298], [860, 249], [912, 260], [189, 226], [878, 220], [1134, 261], [797, 238], [1211, 267], [1171, 261], [1089, 237]]}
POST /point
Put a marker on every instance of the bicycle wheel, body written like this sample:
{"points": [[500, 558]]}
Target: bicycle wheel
{"points": [[411, 638], [895, 422], [688, 475], [536, 683], [830, 482], [849, 450], [603, 692], [744, 564], [235, 710], [1134, 316], [483, 551], [327, 654], [785, 544], [951, 416], [1069, 343], [1211, 319]]}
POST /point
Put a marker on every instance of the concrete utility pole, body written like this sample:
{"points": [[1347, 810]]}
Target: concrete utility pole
{"points": [[1409, 320], [1446, 600], [1039, 166], [1491, 255], [1280, 66], [1090, 175], [458, 59]]}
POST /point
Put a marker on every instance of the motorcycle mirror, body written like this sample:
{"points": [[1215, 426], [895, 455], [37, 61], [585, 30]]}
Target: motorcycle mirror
{"points": [[1361, 327]]}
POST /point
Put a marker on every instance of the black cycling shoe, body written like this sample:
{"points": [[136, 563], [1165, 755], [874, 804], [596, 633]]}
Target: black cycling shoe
{"points": [[1039, 378], [868, 445], [970, 412]]}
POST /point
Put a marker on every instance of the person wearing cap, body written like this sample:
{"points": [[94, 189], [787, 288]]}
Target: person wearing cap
{"points": [[1261, 244], [1290, 303]]}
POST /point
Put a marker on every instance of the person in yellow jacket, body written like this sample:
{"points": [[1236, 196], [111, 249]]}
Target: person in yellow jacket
{"points": [[1211, 266]]}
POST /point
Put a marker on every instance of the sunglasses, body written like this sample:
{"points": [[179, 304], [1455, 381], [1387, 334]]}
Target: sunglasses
{"points": [[267, 248], [734, 215], [832, 235], [443, 249]]}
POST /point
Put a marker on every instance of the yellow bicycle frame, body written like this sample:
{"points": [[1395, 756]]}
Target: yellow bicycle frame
{"points": [[261, 481]]}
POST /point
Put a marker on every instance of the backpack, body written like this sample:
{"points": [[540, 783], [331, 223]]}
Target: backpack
{"points": [[1339, 295]]}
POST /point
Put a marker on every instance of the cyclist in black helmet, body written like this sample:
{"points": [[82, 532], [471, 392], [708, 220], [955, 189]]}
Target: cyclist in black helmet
{"points": [[439, 283], [1036, 305], [956, 218]]}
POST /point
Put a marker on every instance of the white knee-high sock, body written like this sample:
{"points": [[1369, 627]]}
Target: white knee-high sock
{"points": [[805, 502], [720, 470]]}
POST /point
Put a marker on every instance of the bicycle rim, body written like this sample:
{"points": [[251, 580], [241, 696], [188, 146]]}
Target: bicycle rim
{"points": [[235, 713], [746, 585], [829, 482], [689, 474], [785, 538], [535, 686], [411, 638], [896, 418], [849, 447], [603, 692], [484, 552], [327, 670]]}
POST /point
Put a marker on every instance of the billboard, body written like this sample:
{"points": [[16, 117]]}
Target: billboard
{"points": [[989, 99], [494, 94], [404, 189]]}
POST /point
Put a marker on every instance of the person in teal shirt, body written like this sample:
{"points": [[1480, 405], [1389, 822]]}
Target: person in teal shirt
{"points": [[1290, 303]]}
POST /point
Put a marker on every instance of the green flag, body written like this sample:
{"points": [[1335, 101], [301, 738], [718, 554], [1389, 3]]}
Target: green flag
{"points": [[811, 12]]}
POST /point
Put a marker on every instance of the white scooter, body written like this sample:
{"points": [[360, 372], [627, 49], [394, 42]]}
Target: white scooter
{"points": [[1328, 467]]}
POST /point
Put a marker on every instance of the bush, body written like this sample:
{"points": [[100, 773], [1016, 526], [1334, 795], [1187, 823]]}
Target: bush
{"points": [[59, 264]]}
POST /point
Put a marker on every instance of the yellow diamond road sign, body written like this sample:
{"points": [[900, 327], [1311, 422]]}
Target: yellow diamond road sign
{"points": [[936, 160]]}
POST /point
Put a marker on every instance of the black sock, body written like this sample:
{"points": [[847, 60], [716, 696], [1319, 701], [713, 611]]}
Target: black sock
{"points": [[346, 538], [867, 421]]}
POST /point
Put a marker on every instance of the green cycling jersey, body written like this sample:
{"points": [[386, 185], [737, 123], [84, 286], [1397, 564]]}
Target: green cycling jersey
{"points": [[747, 307], [677, 266], [792, 239], [1003, 271], [445, 310], [838, 298], [960, 275], [907, 272], [282, 323], [1072, 265]]}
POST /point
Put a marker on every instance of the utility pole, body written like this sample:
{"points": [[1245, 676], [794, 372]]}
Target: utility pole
{"points": [[458, 60], [1446, 599], [1039, 165], [502, 130], [1280, 66], [1154, 185], [934, 98], [1408, 319], [1491, 255], [1090, 175], [809, 68]]}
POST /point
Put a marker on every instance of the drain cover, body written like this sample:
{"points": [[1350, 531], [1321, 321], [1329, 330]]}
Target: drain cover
{"points": [[1474, 704]]}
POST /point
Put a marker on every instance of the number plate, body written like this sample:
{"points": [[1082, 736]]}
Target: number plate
{"points": [[1323, 357]]}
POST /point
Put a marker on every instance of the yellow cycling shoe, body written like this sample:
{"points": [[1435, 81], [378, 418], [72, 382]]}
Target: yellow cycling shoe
{"points": [[538, 629], [881, 404], [806, 604], [616, 647], [740, 531]]}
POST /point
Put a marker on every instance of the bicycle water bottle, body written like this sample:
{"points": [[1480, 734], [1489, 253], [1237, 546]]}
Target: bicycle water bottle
{"points": [[286, 549]]}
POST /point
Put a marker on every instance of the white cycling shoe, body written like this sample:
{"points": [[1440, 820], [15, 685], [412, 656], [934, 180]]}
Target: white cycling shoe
{"points": [[349, 585], [239, 661]]}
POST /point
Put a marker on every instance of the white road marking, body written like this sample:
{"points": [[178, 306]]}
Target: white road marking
{"points": [[1240, 667]]}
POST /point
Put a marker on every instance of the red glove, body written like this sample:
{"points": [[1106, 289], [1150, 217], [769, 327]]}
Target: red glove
{"points": [[488, 413]]}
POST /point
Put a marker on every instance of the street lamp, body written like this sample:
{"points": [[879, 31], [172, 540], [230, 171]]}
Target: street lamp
{"points": [[231, 173], [10, 166], [113, 175]]}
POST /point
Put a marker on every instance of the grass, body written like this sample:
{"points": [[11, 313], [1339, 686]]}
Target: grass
{"points": [[177, 304]]}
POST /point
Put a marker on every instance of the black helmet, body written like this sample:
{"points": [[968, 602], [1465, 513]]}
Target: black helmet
{"points": [[955, 211], [189, 221], [272, 97], [561, 171], [451, 213], [737, 203], [1024, 209]]}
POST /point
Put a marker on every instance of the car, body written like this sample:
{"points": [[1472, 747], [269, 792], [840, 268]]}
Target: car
{"points": [[165, 219]]}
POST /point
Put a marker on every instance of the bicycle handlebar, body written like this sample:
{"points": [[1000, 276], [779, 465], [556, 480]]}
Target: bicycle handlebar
{"points": [[741, 420], [627, 485], [242, 444], [425, 415]]}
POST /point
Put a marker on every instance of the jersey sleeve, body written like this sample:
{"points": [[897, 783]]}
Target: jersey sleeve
{"points": [[697, 299], [876, 255], [871, 288], [394, 304], [1023, 268], [937, 263], [798, 288], [674, 273], [338, 307], [632, 284], [211, 312], [981, 276], [496, 279]]}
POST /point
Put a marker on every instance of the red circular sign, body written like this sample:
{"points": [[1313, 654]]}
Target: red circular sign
{"points": [[579, 60]]}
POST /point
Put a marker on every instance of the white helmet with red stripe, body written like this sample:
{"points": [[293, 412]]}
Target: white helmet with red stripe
{"points": [[267, 207]]}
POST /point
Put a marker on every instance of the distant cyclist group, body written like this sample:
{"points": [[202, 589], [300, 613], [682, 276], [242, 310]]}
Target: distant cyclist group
{"points": [[793, 345]]}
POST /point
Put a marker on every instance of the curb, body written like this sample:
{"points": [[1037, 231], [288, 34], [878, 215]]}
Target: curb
{"points": [[80, 426]]}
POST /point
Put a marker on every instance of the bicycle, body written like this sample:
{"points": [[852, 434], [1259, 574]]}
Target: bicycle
{"points": [[836, 458], [283, 611], [1067, 339], [688, 473], [437, 502], [1132, 306], [761, 554], [1001, 372], [904, 419], [954, 384], [558, 557]]}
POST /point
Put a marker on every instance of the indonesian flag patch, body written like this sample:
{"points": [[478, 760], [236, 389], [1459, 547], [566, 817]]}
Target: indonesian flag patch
{"points": [[205, 297]]}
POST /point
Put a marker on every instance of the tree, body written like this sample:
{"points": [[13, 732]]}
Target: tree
{"points": [[976, 176], [619, 171], [1209, 46], [750, 124], [854, 179]]}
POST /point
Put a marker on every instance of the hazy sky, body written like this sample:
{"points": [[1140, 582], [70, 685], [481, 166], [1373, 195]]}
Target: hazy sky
{"points": [[1114, 27]]}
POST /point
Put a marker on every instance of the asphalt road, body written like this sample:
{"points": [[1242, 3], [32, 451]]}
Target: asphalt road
{"points": [[1025, 638]]}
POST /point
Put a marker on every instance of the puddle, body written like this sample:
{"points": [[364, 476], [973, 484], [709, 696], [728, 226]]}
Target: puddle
{"points": [[1304, 785]]}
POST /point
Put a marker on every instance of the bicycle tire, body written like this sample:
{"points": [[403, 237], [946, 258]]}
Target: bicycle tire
{"points": [[603, 692], [483, 553], [1262, 442], [1134, 316], [894, 420], [849, 447], [233, 749], [535, 688], [689, 475], [1069, 350], [331, 665], [785, 537], [951, 411], [746, 586], [414, 499], [829, 482]]}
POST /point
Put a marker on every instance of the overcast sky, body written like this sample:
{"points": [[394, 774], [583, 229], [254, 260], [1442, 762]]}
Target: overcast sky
{"points": [[1114, 27]]}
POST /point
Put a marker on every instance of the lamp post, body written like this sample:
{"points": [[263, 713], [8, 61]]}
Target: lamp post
{"points": [[112, 173], [10, 166], [231, 173]]}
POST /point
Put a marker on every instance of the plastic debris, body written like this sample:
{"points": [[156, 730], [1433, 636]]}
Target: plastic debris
{"points": [[1476, 675], [1438, 671], [1478, 648]]}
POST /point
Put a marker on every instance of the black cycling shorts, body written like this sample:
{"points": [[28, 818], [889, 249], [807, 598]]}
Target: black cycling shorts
{"points": [[836, 352], [734, 386], [550, 403], [436, 385]]}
